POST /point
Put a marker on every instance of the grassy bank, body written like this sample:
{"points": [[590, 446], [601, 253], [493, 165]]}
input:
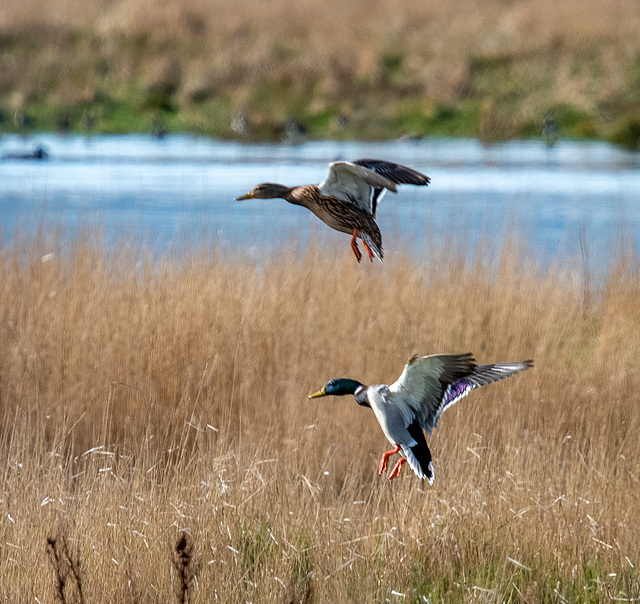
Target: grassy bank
{"points": [[267, 71], [157, 442]]}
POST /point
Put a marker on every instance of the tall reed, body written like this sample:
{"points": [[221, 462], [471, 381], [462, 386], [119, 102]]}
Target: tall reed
{"points": [[146, 401]]}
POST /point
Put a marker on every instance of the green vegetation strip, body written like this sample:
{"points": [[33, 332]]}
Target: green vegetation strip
{"points": [[77, 81]]}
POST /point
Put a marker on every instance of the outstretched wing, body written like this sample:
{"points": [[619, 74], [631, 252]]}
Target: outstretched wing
{"points": [[354, 184], [429, 385], [417, 399], [424, 380], [396, 173]]}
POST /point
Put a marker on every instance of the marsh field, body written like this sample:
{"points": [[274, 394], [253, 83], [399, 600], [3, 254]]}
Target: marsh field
{"points": [[158, 443], [368, 70], [156, 439]]}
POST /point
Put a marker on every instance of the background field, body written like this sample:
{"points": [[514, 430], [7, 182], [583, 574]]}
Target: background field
{"points": [[142, 399], [264, 70]]}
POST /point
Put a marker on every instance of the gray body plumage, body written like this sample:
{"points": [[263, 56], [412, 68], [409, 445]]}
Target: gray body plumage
{"points": [[426, 388]]}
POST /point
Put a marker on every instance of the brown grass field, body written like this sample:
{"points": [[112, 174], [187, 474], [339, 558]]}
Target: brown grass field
{"points": [[157, 442], [492, 69]]}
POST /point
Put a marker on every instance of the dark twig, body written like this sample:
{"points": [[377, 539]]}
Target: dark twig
{"points": [[64, 566], [182, 560]]}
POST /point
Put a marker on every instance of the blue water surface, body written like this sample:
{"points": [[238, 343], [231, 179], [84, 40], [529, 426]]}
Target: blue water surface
{"points": [[568, 202]]}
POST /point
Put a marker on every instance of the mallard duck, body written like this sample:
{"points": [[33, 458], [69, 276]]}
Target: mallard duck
{"points": [[416, 400], [347, 200]]}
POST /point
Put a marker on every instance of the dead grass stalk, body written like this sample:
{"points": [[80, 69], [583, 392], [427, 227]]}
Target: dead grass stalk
{"points": [[143, 400]]}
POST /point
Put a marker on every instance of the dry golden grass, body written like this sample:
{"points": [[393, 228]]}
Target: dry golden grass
{"points": [[145, 399], [388, 63]]}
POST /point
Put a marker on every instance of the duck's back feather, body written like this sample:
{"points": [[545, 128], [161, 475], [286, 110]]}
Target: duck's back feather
{"points": [[419, 456], [354, 184]]}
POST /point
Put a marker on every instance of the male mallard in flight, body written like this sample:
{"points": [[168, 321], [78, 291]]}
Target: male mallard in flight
{"points": [[348, 199], [416, 400]]}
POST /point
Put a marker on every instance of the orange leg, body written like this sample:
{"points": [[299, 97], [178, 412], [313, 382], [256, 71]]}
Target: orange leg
{"points": [[384, 462], [396, 469], [354, 246], [366, 247]]}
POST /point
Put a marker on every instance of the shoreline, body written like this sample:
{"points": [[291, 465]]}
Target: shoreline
{"points": [[459, 124], [492, 72]]}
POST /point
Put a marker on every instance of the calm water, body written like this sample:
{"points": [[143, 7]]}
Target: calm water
{"points": [[170, 194]]}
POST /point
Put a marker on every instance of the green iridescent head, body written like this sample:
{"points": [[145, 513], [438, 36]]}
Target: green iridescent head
{"points": [[337, 388]]}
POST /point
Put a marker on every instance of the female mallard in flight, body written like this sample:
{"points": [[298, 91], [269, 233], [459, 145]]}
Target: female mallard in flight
{"points": [[348, 198], [416, 400]]}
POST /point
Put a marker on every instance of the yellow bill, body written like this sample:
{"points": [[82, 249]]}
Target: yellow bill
{"points": [[249, 195]]}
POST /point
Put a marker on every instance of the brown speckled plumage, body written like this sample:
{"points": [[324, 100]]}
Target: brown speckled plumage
{"points": [[339, 215], [347, 200]]}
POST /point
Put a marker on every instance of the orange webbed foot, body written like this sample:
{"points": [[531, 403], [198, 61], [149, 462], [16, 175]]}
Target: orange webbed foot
{"points": [[384, 461], [396, 469], [366, 247], [354, 246]]}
